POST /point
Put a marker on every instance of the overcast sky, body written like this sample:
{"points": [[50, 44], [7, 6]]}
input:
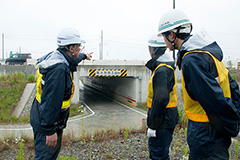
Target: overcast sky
{"points": [[32, 25]]}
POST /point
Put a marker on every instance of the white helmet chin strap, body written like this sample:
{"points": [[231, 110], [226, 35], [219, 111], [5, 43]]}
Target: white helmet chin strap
{"points": [[73, 50], [69, 49], [172, 42]]}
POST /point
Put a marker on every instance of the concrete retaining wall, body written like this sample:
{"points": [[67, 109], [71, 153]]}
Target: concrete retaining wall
{"points": [[24, 105], [7, 69]]}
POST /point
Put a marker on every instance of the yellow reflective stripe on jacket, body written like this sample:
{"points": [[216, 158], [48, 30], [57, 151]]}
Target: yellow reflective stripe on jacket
{"points": [[173, 93], [193, 109], [39, 86], [65, 103]]}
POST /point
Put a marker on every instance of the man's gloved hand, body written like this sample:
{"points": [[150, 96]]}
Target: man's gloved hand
{"points": [[151, 133]]}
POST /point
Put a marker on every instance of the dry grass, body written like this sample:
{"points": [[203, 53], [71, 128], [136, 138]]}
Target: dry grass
{"points": [[100, 135], [14, 142]]}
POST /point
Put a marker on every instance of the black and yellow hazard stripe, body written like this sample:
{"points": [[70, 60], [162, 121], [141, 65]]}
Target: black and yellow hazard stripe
{"points": [[107, 72]]}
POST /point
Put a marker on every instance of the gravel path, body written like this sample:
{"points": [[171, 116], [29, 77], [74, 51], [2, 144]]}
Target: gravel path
{"points": [[119, 146]]}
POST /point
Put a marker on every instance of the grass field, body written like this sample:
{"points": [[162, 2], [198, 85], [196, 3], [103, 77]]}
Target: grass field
{"points": [[11, 89]]}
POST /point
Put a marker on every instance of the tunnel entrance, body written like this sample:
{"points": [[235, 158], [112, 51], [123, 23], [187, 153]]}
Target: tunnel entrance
{"points": [[119, 88]]}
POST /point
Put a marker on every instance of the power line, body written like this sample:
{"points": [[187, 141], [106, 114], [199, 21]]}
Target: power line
{"points": [[127, 43], [225, 34]]}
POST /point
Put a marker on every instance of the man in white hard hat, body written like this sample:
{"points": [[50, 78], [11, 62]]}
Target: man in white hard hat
{"points": [[162, 99], [211, 97], [55, 89]]}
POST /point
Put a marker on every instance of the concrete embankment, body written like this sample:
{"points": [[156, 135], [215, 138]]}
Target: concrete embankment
{"points": [[24, 105]]}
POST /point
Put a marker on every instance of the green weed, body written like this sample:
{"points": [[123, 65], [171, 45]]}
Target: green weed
{"points": [[233, 76], [236, 150], [82, 125], [90, 148], [75, 109], [185, 151], [185, 133], [67, 158], [31, 78], [126, 133], [183, 120], [20, 153], [142, 106]]}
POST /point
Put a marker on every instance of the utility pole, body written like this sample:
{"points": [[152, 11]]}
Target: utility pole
{"points": [[3, 46], [101, 47], [173, 4]]}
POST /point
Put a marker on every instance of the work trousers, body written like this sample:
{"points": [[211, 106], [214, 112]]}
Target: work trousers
{"points": [[206, 143], [159, 145], [44, 152]]}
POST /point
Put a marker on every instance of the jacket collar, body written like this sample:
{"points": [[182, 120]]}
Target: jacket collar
{"points": [[153, 63], [72, 63], [199, 42]]}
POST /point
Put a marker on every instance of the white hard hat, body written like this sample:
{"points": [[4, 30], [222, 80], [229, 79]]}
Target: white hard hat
{"points": [[173, 19], [155, 41], [69, 36]]}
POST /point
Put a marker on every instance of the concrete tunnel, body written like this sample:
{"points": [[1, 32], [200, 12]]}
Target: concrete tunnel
{"points": [[129, 88], [123, 89]]}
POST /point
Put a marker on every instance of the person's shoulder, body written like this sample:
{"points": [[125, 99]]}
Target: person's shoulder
{"points": [[192, 54], [59, 68], [194, 58], [62, 66], [196, 62], [163, 69]]}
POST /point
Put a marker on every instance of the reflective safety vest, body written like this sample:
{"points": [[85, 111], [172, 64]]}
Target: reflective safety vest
{"points": [[65, 103], [173, 94], [193, 109]]}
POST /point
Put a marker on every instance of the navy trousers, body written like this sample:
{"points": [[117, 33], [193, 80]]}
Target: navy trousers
{"points": [[159, 145], [44, 152], [206, 143]]}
